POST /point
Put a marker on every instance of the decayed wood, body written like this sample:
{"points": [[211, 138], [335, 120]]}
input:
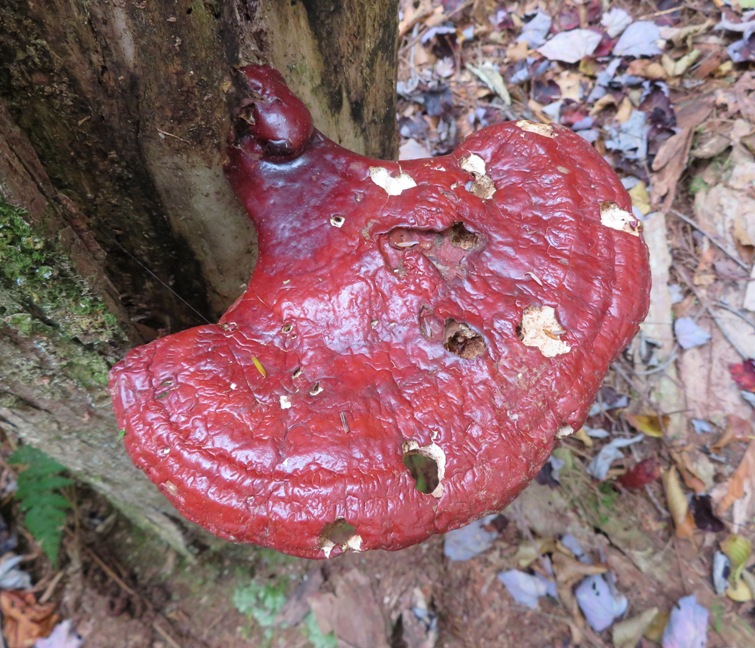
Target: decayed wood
{"points": [[113, 121]]}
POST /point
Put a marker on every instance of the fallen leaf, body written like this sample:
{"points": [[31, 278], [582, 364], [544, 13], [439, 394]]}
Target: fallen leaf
{"points": [[689, 334], [640, 198], [639, 39], [569, 570], [652, 425], [743, 477], [535, 29], [641, 474], [528, 552], [571, 46], [739, 592], [64, 635], [738, 550], [687, 626], [631, 137], [351, 612], [695, 469], [25, 620], [676, 68], [720, 572], [702, 512], [677, 504], [627, 633], [744, 374], [737, 429], [12, 578], [491, 77], [601, 463], [671, 160], [598, 603], [615, 21], [469, 541], [411, 149], [524, 588]]}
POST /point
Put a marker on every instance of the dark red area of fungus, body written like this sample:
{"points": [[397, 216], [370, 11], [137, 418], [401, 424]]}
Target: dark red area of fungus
{"points": [[413, 339]]}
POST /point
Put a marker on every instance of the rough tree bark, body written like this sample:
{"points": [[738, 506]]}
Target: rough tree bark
{"points": [[113, 119]]}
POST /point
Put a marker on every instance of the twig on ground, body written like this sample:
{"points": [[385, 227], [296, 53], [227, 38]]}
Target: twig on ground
{"points": [[713, 239]]}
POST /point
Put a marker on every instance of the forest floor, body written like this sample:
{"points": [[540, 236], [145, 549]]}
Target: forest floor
{"points": [[639, 530]]}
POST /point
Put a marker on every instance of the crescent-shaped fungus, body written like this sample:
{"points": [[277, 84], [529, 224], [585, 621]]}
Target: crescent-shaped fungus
{"points": [[413, 339]]}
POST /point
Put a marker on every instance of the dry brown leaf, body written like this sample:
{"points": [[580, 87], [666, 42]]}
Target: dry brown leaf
{"points": [[742, 479], [652, 425], [517, 52], [352, 612], [25, 620], [647, 69], [695, 469], [605, 101], [568, 570], [624, 111], [743, 91], [677, 504], [737, 429], [671, 160]]}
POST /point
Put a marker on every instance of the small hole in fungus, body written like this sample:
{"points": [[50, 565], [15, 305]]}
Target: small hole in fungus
{"points": [[338, 532], [315, 389], [461, 340], [424, 471]]}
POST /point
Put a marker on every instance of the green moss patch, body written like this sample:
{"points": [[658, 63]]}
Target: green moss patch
{"points": [[44, 300]]}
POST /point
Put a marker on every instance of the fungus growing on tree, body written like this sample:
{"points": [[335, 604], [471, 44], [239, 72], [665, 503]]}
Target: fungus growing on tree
{"points": [[412, 341]]}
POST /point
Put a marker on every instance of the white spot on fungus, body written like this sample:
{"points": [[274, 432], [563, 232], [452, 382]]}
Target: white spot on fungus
{"points": [[354, 543], [337, 221], [393, 185], [474, 164], [616, 218], [541, 329], [285, 402], [546, 130], [327, 548], [483, 186], [433, 452], [564, 431]]}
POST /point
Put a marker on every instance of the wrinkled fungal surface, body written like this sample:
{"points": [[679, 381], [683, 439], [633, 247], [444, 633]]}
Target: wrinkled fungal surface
{"points": [[412, 341]]}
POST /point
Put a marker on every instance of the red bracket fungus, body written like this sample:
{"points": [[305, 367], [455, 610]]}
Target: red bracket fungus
{"points": [[412, 341]]}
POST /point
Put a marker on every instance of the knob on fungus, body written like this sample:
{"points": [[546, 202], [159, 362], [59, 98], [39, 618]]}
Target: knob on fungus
{"points": [[412, 341]]}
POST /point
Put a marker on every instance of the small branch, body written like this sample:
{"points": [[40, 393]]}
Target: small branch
{"points": [[713, 239]]}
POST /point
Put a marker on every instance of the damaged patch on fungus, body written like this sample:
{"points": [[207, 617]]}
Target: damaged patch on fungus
{"points": [[611, 215], [427, 466], [483, 186], [393, 185], [546, 130], [564, 431], [541, 329], [339, 534], [462, 340]]}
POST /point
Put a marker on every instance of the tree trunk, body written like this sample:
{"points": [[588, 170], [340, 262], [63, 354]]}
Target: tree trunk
{"points": [[113, 121]]}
